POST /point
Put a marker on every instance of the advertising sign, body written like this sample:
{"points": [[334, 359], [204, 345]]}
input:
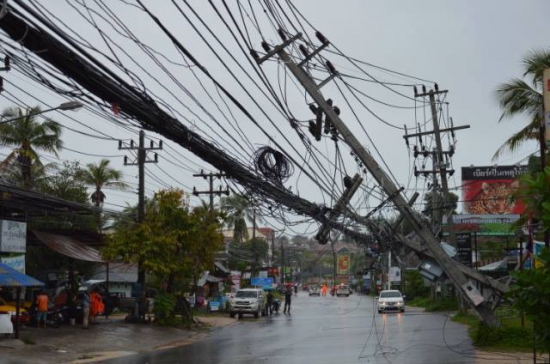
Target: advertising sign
{"points": [[343, 265], [546, 98], [489, 190], [395, 275], [485, 224], [17, 263], [236, 279], [464, 248], [256, 281], [14, 236]]}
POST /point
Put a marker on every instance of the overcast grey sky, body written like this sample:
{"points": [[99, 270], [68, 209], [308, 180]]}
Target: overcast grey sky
{"points": [[468, 47]]}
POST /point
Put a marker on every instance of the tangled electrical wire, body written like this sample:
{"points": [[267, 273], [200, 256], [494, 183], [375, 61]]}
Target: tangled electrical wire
{"points": [[273, 164]]}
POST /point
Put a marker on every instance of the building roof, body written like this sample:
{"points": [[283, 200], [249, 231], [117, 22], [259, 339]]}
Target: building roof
{"points": [[118, 272], [69, 246]]}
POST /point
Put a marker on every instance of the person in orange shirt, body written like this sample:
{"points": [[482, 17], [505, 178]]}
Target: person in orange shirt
{"points": [[96, 306], [324, 289], [42, 301]]}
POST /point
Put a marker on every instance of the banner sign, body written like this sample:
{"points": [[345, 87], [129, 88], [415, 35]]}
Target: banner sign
{"points": [[464, 248], [489, 190], [13, 238], [484, 224], [257, 281], [546, 98], [236, 280], [17, 263], [343, 265], [395, 275]]}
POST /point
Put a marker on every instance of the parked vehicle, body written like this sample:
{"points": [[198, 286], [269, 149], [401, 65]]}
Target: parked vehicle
{"points": [[6, 307], [252, 301], [343, 290], [314, 291], [54, 317], [276, 305], [390, 300]]}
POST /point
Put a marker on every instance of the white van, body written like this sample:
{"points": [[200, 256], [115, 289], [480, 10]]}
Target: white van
{"points": [[249, 301]]}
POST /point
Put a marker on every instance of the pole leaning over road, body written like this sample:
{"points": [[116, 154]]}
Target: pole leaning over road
{"points": [[466, 287]]}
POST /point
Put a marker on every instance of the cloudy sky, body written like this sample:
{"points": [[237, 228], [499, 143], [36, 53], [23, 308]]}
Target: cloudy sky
{"points": [[467, 47]]}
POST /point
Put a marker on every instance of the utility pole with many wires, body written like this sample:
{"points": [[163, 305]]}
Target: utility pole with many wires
{"points": [[440, 162], [464, 285], [139, 159], [211, 192]]}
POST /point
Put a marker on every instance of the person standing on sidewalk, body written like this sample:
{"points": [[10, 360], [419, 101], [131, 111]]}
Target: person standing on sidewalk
{"points": [[86, 310], [42, 301], [288, 297]]}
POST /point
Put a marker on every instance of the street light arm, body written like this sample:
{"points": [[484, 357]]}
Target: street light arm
{"points": [[69, 105]]}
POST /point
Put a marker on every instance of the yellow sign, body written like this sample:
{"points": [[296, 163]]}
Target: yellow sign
{"points": [[343, 265]]}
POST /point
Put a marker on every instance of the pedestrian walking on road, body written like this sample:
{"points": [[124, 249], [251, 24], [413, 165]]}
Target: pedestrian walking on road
{"points": [[86, 310], [324, 290], [288, 297], [270, 302], [42, 301]]}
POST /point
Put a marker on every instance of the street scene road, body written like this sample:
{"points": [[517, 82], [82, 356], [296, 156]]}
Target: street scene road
{"points": [[167, 167], [328, 330]]}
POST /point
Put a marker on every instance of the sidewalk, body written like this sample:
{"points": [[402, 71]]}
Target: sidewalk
{"points": [[107, 339]]}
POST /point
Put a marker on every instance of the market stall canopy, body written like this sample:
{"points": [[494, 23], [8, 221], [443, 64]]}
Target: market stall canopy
{"points": [[69, 247], [9, 277]]}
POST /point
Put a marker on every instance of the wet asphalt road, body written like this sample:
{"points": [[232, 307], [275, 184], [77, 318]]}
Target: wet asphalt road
{"points": [[327, 330]]}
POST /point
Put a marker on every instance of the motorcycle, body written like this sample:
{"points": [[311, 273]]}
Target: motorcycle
{"points": [[54, 318], [275, 305]]}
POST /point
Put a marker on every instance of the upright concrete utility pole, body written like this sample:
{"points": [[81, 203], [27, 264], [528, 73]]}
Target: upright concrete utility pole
{"points": [[211, 192], [140, 161], [439, 165], [466, 287]]}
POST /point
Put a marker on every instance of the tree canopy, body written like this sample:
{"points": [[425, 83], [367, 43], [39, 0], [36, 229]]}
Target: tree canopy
{"points": [[26, 135], [173, 241], [523, 98]]}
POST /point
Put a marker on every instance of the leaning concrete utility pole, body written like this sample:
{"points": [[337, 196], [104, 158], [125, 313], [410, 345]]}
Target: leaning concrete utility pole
{"points": [[466, 287]]}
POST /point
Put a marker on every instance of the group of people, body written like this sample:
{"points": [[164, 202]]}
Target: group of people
{"points": [[92, 306], [271, 301]]}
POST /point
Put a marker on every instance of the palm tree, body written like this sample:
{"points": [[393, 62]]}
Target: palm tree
{"points": [[518, 97], [27, 136], [238, 210], [100, 176]]}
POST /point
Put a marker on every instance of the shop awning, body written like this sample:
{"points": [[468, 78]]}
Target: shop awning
{"points": [[9, 277], [69, 247]]}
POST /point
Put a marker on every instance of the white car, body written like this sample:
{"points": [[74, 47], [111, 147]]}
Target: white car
{"points": [[343, 290], [252, 301], [390, 300]]}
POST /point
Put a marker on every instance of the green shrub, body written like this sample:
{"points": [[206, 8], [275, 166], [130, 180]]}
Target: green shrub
{"points": [[164, 309], [445, 304], [414, 285]]}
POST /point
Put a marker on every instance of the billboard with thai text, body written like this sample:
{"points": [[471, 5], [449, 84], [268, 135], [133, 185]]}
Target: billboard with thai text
{"points": [[490, 189]]}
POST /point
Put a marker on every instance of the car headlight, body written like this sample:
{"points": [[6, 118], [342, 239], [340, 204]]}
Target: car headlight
{"points": [[382, 303], [400, 303]]}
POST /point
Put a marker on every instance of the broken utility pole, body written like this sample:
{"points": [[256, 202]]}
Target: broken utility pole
{"points": [[465, 286]]}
